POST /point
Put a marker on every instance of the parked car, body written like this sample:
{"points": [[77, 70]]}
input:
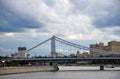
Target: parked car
{"points": [[109, 66]]}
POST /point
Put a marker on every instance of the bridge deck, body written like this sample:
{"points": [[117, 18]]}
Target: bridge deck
{"points": [[56, 59]]}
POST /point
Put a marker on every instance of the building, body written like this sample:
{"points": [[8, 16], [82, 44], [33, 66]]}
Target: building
{"points": [[84, 54], [72, 55], [21, 53], [113, 46], [96, 46], [78, 55]]}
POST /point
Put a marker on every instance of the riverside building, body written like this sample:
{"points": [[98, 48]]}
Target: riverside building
{"points": [[113, 46]]}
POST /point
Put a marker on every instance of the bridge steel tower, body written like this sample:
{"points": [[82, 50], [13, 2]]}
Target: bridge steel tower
{"points": [[53, 47]]}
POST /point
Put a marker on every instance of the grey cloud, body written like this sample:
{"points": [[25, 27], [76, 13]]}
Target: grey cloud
{"points": [[50, 2], [12, 22], [105, 14], [111, 19]]}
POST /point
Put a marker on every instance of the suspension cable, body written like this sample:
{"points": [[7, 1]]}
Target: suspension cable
{"points": [[38, 44], [76, 46], [85, 48]]}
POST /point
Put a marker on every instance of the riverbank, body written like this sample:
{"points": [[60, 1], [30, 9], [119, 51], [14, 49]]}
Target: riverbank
{"points": [[86, 68], [16, 70]]}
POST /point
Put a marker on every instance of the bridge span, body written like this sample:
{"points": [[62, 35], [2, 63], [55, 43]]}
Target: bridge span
{"points": [[67, 59]]}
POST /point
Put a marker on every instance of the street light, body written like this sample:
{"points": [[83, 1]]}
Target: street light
{"points": [[3, 63]]}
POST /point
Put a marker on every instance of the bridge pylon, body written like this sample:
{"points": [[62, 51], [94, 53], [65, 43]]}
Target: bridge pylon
{"points": [[53, 47]]}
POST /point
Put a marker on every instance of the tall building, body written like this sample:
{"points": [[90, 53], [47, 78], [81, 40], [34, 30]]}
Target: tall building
{"points": [[96, 46], [22, 52], [113, 46]]}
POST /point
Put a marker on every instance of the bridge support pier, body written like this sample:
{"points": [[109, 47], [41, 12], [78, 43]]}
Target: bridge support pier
{"points": [[55, 66], [101, 67]]}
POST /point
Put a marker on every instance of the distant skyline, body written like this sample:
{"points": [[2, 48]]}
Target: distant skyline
{"points": [[26, 23]]}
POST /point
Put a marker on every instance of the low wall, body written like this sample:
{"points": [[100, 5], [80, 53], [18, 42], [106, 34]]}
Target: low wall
{"points": [[14, 70]]}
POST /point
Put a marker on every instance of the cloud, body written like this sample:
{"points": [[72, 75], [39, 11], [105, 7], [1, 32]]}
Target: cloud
{"points": [[106, 13], [11, 21], [9, 34], [72, 19]]}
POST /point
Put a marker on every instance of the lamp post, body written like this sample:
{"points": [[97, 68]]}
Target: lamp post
{"points": [[3, 63]]}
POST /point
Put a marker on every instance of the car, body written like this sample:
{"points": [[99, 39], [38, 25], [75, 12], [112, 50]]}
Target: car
{"points": [[109, 66]]}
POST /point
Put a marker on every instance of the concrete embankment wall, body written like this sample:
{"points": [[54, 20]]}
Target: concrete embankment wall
{"points": [[14, 70]]}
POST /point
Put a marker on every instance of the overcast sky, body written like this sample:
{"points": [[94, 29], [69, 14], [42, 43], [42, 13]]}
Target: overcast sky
{"points": [[29, 22]]}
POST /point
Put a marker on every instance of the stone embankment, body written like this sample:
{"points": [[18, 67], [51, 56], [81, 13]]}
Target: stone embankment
{"points": [[15, 70]]}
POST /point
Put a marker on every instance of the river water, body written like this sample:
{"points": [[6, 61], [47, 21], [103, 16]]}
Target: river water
{"points": [[70, 72]]}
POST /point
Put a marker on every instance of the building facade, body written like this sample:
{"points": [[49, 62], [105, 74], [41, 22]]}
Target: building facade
{"points": [[96, 46], [113, 46], [21, 53]]}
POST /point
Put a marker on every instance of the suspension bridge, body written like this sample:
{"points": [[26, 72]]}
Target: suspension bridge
{"points": [[77, 47], [57, 49]]}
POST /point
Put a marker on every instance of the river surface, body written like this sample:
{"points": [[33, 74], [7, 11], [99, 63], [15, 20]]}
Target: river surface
{"points": [[70, 72]]}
